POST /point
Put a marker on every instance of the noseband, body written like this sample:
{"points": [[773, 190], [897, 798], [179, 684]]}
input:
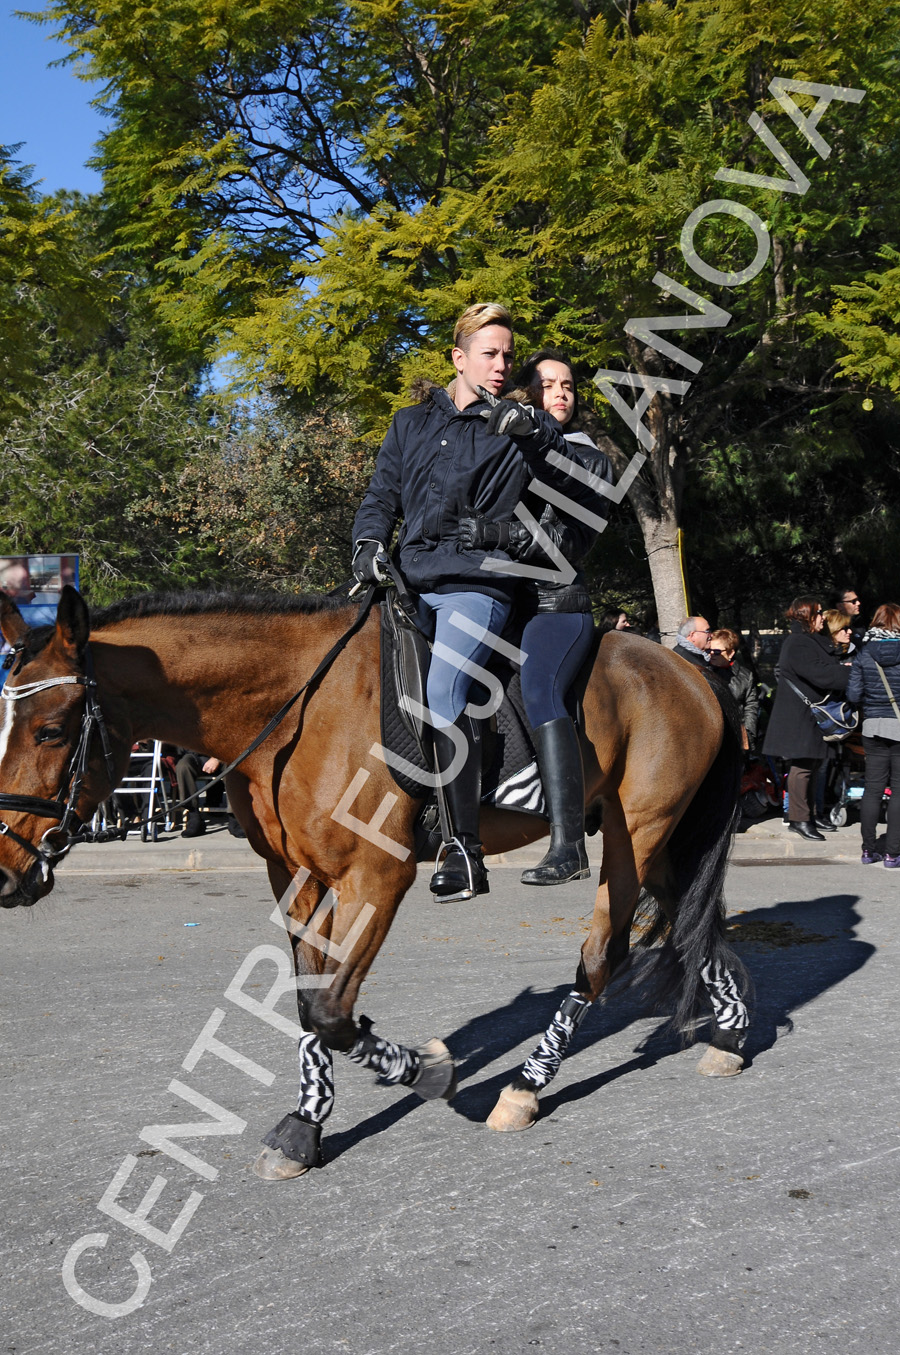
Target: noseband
{"points": [[63, 807]]}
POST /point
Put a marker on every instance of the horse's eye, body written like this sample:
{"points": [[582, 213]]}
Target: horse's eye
{"points": [[49, 733]]}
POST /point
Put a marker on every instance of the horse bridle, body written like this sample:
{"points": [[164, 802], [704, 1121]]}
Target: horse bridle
{"points": [[63, 807], [46, 854]]}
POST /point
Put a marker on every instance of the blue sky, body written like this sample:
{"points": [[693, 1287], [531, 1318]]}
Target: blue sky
{"points": [[49, 110]]}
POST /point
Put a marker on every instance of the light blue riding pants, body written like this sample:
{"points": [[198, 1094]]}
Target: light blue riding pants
{"points": [[448, 683]]}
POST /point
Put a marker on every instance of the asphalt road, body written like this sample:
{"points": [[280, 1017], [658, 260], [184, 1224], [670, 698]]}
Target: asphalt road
{"points": [[649, 1210]]}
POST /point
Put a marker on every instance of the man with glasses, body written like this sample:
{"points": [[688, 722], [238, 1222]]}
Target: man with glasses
{"points": [[692, 641], [848, 600]]}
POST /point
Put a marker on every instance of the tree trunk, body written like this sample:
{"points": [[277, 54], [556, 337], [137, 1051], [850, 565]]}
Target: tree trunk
{"points": [[661, 542], [655, 497]]}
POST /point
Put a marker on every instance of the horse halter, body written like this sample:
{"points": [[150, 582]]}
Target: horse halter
{"points": [[62, 808]]}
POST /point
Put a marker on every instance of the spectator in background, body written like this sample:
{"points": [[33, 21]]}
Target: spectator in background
{"points": [[188, 767], [805, 669], [613, 618], [875, 686], [723, 654], [848, 600], [837, 632], [692, 641], [15, 579]]}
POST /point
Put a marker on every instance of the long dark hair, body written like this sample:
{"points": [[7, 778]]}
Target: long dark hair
{"points": [[529, 377], [804, 610]]}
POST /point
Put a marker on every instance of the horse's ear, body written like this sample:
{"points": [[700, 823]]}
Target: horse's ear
{"points": [[73, 624], [12, 624]]}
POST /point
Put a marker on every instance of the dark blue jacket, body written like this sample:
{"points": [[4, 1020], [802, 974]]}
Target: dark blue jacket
{"points": [[866, 689], [435, 463]]}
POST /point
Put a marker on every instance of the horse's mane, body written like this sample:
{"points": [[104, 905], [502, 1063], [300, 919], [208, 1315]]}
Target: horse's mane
{"points": [[202, 604]]}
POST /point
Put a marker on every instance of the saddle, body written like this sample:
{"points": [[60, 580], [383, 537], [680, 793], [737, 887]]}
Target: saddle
{"points": [[510, 777]]}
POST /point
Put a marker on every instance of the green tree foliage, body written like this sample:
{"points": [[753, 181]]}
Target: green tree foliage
{"points": [[586, 185], [324, 187], [607, 162], [866, 322], [105, 412], [271, 506], [45, 281], [239, 131]]}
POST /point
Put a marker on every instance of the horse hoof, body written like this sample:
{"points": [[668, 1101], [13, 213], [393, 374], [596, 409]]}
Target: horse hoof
{"points": [[272, 1165], [514, 1110], [437, 1079], [720, 1063]]}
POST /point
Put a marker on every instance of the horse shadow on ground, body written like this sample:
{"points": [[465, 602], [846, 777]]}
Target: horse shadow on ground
{"points": [[794, 952]]}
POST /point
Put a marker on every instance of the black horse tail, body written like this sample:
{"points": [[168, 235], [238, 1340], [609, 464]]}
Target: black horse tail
{"points": [[699, 849]]}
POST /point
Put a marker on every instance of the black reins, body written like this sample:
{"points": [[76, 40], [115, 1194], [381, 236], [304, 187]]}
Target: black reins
{"points": [[279, 715], [63, 807]]}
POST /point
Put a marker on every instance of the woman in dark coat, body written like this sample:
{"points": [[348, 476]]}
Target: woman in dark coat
{"points": [[880, 729], [793, 733], [559, 628]]}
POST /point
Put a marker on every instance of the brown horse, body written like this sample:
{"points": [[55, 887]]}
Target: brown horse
{"points": [[206, 672]]}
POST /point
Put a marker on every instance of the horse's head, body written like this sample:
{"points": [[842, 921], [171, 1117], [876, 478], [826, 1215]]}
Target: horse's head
{"points": [[49, 770]]}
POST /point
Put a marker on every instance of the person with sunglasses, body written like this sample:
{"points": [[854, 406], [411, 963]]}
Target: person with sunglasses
{"points": [[723, 656], [848, 600], [837, 632], [804, 666]]}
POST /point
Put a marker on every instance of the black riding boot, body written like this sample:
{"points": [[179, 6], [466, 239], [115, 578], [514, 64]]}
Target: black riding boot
{"points": [[559, 760], [459, 870]]}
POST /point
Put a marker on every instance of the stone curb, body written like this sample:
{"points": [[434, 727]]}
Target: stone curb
{"points": [[761, 844]]}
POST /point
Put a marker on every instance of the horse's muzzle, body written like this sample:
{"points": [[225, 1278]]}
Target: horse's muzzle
{"points": [[23, 891]]}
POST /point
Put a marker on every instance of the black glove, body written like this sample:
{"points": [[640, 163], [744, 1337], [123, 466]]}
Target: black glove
{"points": [[369, 560], [507, 418], [476, 532]]}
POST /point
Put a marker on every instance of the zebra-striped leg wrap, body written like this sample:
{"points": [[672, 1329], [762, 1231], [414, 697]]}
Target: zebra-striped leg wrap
{"points": [[729, 1008], [393, 1063], [316, 1095], [543, 1064]]}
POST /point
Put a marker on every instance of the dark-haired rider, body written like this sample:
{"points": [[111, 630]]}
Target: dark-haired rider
{"points": [[559, 631]]}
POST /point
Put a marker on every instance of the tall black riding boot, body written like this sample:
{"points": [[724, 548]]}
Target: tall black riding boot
{"points": [[559, 760], [460, 870]]}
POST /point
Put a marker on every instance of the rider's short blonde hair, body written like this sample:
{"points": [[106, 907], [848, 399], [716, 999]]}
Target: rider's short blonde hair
{"points": [[478, 317]]}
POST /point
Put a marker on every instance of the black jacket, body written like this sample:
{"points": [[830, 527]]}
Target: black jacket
{"points": [[793, 733], [435, 463], [697, 657], [572, 536], [742, 685], [866, 689]]}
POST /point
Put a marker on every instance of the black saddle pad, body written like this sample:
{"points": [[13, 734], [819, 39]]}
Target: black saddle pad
{"points": [[510, 779]]}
